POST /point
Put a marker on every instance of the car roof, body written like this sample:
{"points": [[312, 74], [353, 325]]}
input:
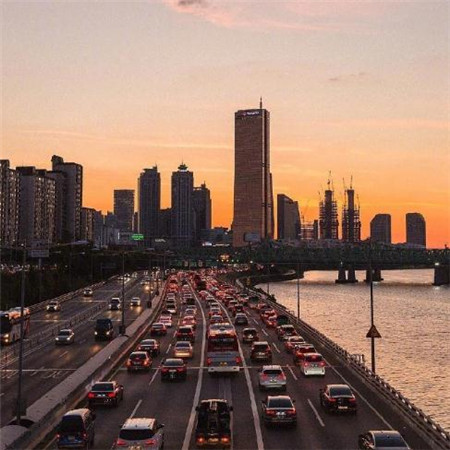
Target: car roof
{"points": [[178, 360], [338, 386], [77, 412], [385, 433], [65, 329], [148, 341], [281, 397], [138, 353], [104, 382], [249, 329], [260, 343], [272, 367], [138, 423]]}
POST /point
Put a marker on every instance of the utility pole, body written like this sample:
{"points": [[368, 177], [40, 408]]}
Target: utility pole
{"points": [[122, 327], [22, 307], [298, 290]]}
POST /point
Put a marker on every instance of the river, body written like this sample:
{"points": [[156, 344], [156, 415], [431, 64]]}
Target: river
{"points": [[411, 315]]}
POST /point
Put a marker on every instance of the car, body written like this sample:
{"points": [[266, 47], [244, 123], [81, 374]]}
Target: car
{"points": [[291, 341], [271, 321], [239, 308], [65, 336], [135, 301], [53, 306], [312, 364], [158, 329], [88, 292], [216, 319], [166, 320], [300, 350], [151, 346], [104, 329], [189, 320], [139, 361], [267, 313], [241, 319], [141, 433], [190, 311], [249, 335], [183, 349], [185, 333], [261, 351], [115, 304], [382, 440], [171, 307], [173, 369], [285, 330], [279, 409], [105, 393], [214, 311], [337, 398], [271, 377], [76, 429], [213, 427]]}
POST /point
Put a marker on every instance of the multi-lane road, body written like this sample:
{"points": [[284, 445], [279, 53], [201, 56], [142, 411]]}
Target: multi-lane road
{"points": [[173, 403], [46, 364]]}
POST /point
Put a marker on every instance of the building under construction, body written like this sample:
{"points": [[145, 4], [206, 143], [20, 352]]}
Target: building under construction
{"points": [[351, 223], [328, 215]]}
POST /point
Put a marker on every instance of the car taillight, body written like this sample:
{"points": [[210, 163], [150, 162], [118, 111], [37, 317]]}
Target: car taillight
{"points": [[332, 400], [282, 376], [111, 394], [322, 363], [91, 395], [306, 364], [352, 400], [146, 363], [225, 439], [200, 439], [180, 369], [270, 412], [120, 442], [164, 370], [150, 442], [291, 412], [58, 436], [128, 363], [238, 360], [84, 435], [208, 361]]}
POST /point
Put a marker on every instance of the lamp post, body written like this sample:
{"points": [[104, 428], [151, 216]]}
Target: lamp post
{"points": [[298, 291], [122, 326]]}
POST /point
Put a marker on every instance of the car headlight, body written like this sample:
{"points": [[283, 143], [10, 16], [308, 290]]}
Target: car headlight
{"points": [[107, 332], [57, 339], [96, 333]]}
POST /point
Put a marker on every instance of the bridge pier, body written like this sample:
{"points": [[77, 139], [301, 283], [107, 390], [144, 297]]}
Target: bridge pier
{"points": [[346, 276], [441, 275], [341, 279], [351, 275], [376, 275]]}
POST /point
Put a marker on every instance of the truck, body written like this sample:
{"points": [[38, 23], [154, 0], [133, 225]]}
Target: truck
{"points": [[222, 351], [213, 427]]}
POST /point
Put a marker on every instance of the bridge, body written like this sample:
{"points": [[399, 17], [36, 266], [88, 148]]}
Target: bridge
{"points": [[56, 379]]}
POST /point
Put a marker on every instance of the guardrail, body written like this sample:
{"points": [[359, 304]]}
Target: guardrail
{"points": [[73, 390], [423, 423]]}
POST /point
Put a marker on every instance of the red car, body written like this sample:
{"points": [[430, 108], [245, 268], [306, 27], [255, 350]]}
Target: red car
{"points": [[185, 333], [299, 351], [139, 361], [158, 329]]}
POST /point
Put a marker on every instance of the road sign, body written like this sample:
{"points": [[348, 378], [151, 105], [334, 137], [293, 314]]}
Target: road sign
{"points": [[39, 253], [373, 332], [137, 237]]}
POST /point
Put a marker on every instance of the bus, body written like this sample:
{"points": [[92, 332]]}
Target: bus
{"points": [[10, 325], [222, 350]]}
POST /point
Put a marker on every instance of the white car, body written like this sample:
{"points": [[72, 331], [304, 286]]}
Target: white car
{"points": [[312, 364], [166, 320], [53, 306], [135, 301], [65, 337]]}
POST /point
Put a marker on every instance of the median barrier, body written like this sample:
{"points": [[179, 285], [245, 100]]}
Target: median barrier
{"points": [[424, 425], [48, 410]]}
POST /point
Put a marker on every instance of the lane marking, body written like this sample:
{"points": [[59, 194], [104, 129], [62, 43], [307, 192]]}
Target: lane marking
{"points": [[292, 373], [64, 354], [135, 408], [316, 413], [190, 427], [362, 397], [276, 348], [264, 331], [168, 348], [153, 377]]}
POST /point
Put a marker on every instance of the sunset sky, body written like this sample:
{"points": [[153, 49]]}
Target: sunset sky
{"points": [[356, 87]]}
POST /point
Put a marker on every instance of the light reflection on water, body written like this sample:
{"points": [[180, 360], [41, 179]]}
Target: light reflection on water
{"points": [[411, 315]]}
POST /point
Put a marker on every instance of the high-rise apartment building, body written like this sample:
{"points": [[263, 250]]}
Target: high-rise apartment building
{"points": [[253, 197], [124, 209], [37, 206], [288, 218], [72, 192], [88, 216], [165, 223], [380, 228], [182, 208], [351, 223], [201, 202], [149, 203], [416, 229], [9, 204], [328, 216]]}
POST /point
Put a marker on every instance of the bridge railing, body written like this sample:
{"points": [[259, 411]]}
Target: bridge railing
{"points": [[432, 432]]}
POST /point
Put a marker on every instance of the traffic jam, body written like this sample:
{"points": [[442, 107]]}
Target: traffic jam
{"points": [[211, 338]]}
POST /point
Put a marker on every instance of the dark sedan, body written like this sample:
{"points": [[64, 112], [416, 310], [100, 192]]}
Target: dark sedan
{"points": [[158, 329], [151, 346], [338, 398], [279, 409], [173, 369], [105, 393]]}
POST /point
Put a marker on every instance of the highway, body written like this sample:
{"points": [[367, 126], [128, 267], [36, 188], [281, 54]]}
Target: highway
{"points": [[173, 403], [46, 364]]}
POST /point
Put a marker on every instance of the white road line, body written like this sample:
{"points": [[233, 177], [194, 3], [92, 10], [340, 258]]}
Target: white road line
{"points": [[316, 413], [292, 372], [254, 320], [168, 348], [50, 375], [135, 408], [264, 331], [276, 348], [36, 371], [362, 397], [190, 427], [153, 377], [64, 354]]}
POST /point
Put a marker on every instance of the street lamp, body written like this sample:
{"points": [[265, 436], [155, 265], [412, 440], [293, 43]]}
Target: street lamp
{"points": [[298, 291], [122, 326]]}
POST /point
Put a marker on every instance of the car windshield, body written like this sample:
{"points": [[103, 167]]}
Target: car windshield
{"points": [[260, 347], [103, 323], [136, 434], [71, 424], [183, 345], [252, 331], [53, 303], [389, 441], [103, 387], [158, 325], [313, 358], [279, 403], [272, 372], [64, 333], [173, 362], [138, 356], [148, 342], [341, 390], [185, 330]]}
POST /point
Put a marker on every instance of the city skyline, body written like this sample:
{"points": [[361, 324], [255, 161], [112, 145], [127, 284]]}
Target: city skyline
{"points": [[378, 114]]}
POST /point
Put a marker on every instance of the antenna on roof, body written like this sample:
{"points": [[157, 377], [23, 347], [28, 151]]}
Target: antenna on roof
{"points": [[260, 103]]}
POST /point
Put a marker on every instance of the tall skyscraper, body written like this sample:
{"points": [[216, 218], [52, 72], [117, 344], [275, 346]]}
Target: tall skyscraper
{"points": [[165, 223], [253, 197], [201, 201], [72, 191], [380, 228], [288, 223], [9, 204], [88, 224], [328, 215], [351, 223], [124, 209], [416, 229], [149, 203], [37, 206], [182, 208]]}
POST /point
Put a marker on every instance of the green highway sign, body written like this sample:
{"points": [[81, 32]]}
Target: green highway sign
{"points": [[137, 237]]}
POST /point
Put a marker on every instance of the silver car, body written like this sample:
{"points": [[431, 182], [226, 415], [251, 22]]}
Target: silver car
{"points": [[65, 337], [53, 306], [135, 301], [271, 377], [141, 433]]}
